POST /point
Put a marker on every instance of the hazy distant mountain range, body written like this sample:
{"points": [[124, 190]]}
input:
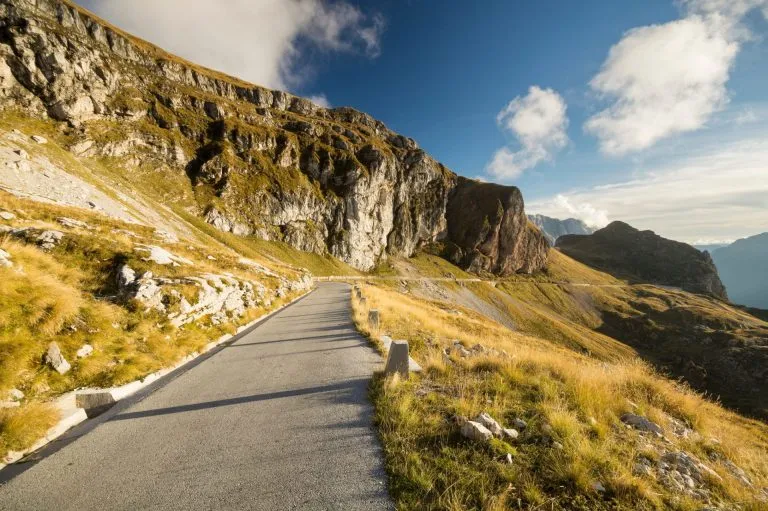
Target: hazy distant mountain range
{"points": [[553, 228], [710, 247], [743, 268]]}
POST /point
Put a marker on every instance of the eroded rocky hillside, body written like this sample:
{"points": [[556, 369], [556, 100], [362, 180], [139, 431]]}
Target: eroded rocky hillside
{"points": [[644, 256], [247, 159]]}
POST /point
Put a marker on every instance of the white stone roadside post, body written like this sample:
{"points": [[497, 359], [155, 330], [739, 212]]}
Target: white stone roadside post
{"points": [[398, 360], [373, 320]]}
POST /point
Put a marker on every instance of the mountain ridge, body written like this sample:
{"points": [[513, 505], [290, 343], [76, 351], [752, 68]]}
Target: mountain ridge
{"points": [[644, 256], [255, 161]]}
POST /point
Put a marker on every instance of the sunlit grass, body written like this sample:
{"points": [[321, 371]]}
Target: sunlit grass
{"points": [[543, 382]]}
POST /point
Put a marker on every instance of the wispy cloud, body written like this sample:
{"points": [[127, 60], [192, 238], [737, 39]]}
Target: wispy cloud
{"points": [[719, 194], [538, 121], [584, 211], [320, 100], [667, 79], [257, 40]]}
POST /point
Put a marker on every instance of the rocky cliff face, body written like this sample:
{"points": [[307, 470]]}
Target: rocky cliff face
{"points": [[249, 160], [553, 228], [644, 256], [489, 230]]}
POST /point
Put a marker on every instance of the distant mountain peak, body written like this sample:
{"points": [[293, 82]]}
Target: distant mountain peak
{"points": [[553, 228], [645, 256]]}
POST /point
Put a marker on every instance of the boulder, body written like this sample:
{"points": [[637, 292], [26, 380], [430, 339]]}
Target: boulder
{"points": [[641, 423], [72, 223], [39, 139], [15, 395], [7, 215], [56, 360], [490, 424], [475, 431], [125, 277], [5, 259], [84, 351], [510, 434], [49, 239]]}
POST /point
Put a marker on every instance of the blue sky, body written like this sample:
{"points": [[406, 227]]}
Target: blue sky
{"points": [[665, 131]]}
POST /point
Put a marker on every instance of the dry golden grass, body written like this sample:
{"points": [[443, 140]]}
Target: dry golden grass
{"points": [[66, 296], [21, 427], [580, 397]]}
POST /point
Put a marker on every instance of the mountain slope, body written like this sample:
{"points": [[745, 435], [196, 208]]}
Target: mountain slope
{"points": [[743, 267], [644, 256], [249, 160], [553, 228], [535, 352]]}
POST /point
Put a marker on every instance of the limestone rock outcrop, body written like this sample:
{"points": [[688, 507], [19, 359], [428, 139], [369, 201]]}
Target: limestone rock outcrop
{"points": [[489, 230], [249, 160]]}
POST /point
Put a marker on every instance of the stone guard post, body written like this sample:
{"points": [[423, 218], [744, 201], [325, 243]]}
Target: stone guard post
{"points": [[397, 360], [373, 319]]}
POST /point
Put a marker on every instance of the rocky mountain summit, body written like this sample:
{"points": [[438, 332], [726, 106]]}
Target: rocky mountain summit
{"points": [[553, 228], [644, 256], [249, 160]]}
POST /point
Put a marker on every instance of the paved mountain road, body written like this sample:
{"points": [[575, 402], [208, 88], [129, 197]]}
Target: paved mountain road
{"points": [[277, 420]]}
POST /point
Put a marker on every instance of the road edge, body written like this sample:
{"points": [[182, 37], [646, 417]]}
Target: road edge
{"points": [[71, 415]]}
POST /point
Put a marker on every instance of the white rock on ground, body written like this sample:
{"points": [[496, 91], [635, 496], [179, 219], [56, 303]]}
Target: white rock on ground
{"points": [[16, 395], [72, 223], [84, 351], [54, 357], [126, 276], [7, 215], [511, 434], [159, 255], [49, 239], [641, 423], [490, 423], [166, 237], [5, 259], [476, 431], [39, 139]]}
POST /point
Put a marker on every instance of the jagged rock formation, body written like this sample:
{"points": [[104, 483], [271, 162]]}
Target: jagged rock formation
{"points": [[249, 160], [553, 228], [743, 266], [489, 230], [644, 256]]}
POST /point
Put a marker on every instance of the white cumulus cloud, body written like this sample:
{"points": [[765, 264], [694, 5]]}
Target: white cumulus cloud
{"points": [[662, 80], [720, 193], [584, 211], [539, 122], [257, 40]]}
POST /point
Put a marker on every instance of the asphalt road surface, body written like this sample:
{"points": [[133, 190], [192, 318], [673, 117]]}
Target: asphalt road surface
{"points": [[279, 419]]}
